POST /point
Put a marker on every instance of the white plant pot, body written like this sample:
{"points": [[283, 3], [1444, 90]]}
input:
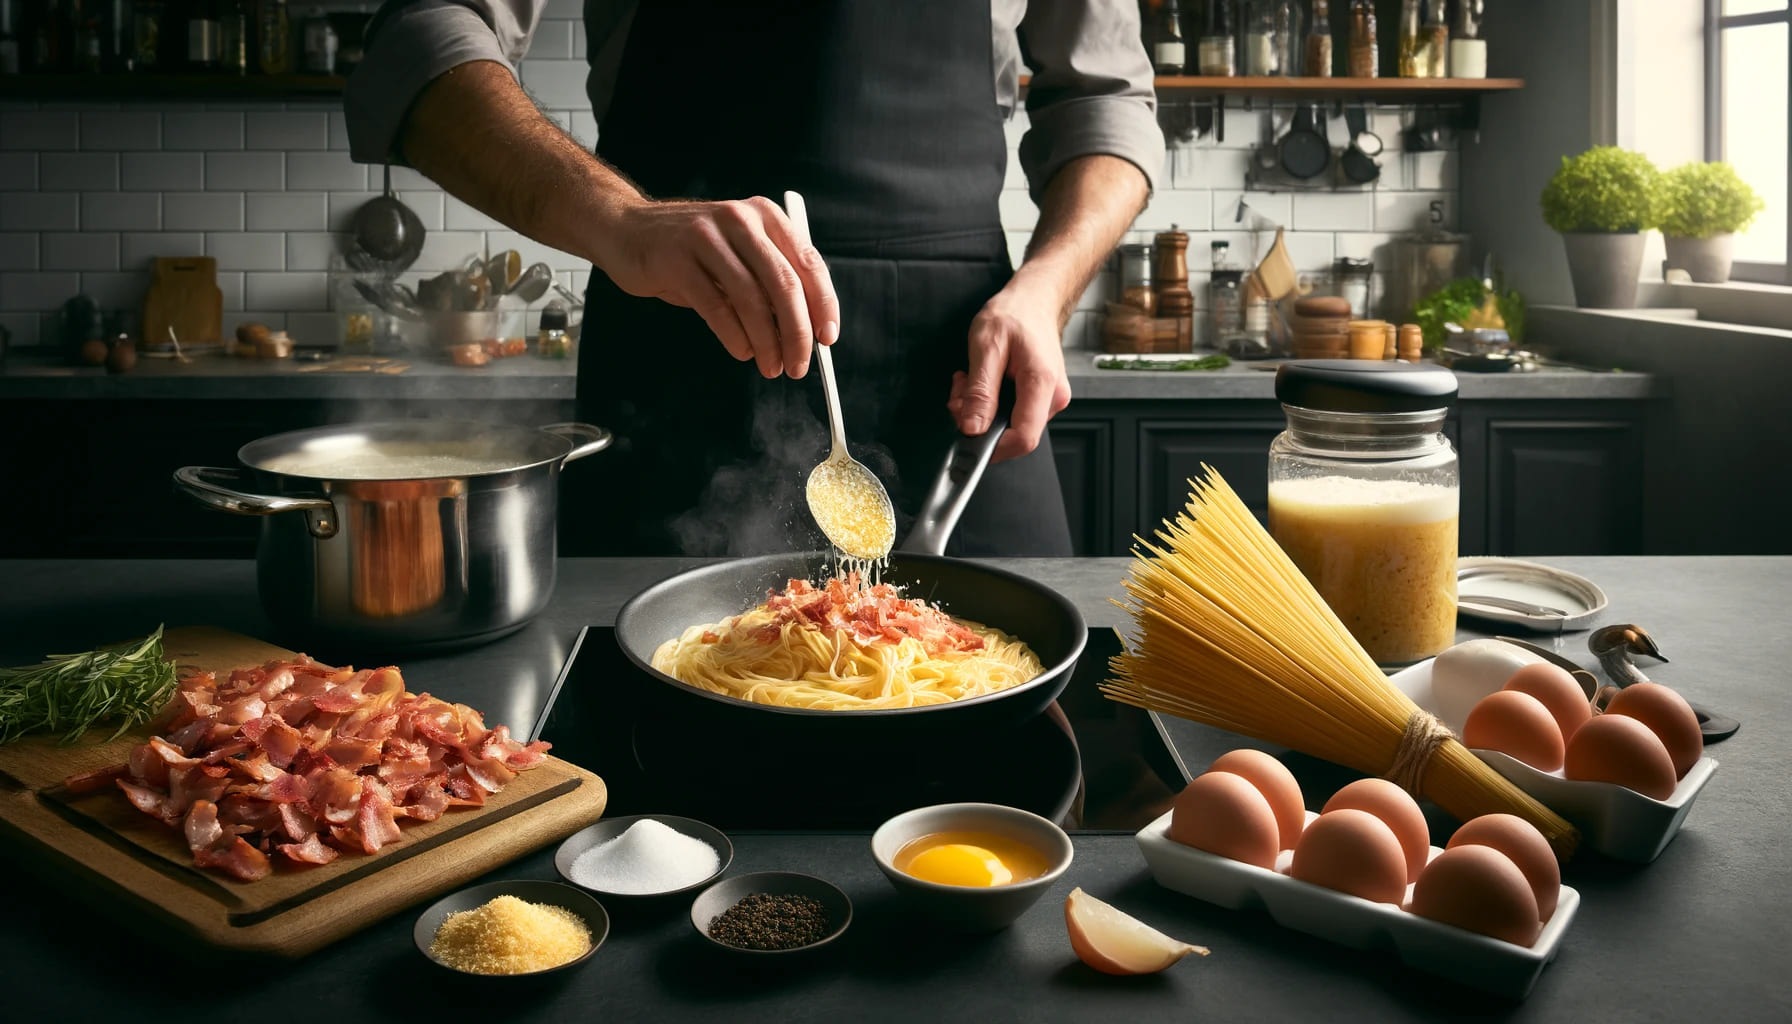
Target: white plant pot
{"points": [[1705, 260], [1605, 267]]}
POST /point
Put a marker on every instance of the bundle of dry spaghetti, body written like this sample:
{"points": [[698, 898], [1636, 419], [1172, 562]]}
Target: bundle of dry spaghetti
{"points": [[1228, 632]]}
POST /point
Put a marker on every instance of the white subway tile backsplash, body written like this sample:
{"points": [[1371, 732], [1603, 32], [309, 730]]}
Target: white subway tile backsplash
{"points": [[18, 171], [80, 250], [323, 171], [121, 129], [314, 328], [563, 9], [1183, 209], [1411, 211], [288, 130], [338, 130], [1366, 245], [272, 321], [578, 41], [18, 250], [138, 249], [246, 171], [1102, 287], [120, 211], [230, 289], [553, 39], [342, 207], [427, 205], [116, 289], [403, 179], [289, 291], [1018, 211], [202, 130], [23, 327], [31, 130], [1334, 211], [584, 128], [556, 84], [1310, 250], [1204, 166], [1262, 210], [458, 216], [285, 211], [39, 211], [202, 211], [162, 172], [1435, 171], [252, 250], [311, 250], [37, 290], [78, 172]]}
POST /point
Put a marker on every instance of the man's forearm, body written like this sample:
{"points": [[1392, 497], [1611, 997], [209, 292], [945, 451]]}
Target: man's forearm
{"points": [[1088, 206], [477, 134]]}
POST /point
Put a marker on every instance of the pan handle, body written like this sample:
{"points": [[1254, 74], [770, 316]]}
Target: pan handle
{"points": [[952, 489], [585, 438], [320, 513]]}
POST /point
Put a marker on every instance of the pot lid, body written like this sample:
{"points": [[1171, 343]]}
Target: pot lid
{"points": [[1529, 594]]}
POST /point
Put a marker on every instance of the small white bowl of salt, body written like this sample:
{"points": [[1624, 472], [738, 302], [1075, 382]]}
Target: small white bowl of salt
{"points": [[643, 856]]}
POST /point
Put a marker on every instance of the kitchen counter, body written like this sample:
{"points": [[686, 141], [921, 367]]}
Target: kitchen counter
{"points": [[1699, 934], [215, 376], [1256, 380]]}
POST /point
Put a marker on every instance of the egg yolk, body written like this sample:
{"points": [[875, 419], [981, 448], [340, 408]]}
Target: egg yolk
{"points": [[959, 864]]}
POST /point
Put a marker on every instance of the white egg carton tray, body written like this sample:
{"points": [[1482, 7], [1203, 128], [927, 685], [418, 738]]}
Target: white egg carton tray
{"points": [[1613, 820], [1476, 960]]}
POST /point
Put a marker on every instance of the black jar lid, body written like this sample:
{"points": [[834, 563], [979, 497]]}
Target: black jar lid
{"points": [[1364, 385]]}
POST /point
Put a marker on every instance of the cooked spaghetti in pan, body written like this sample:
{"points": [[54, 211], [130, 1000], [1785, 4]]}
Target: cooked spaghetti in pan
{"points": [[846, 646]]}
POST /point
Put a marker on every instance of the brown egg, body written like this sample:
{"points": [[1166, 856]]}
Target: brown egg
{"points": [[1557, 690], [1517, 724], [1225, 815], [1397, 810], [1621, 750], [1520, 841], [1480, 889], [1668, 716], [1355, 852], [1273, 779]]}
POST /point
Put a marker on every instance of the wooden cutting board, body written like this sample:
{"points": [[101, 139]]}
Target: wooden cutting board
{"points": [[184, 296], [105, 849]]}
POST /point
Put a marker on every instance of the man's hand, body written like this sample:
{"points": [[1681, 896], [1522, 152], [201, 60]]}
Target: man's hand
{"points": [[739, 265], [1015, 335]]}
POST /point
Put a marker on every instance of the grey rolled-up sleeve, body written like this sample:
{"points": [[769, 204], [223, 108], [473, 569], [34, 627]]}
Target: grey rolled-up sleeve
{"points": [[410, 45], [1091, 90]]}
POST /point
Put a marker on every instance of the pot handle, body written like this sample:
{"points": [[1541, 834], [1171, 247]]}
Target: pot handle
{"points": [[585, 438], [320, 513]]}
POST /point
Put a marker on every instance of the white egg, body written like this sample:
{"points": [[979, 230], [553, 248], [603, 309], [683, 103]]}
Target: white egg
{"points": [[1465, 673]]}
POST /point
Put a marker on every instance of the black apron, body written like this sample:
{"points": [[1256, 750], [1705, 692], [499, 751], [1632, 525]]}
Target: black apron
{"points": [[883, 116]]}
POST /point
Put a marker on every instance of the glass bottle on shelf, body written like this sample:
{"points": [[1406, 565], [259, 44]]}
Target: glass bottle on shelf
{"points": [[1364, 60], [1219, 41], [1262, 50], [9, 40], [1468, 51], [233, 51], [1407, 53], [202, 35], [89, 54], [1435, 37], [1317, 52], [1287, 34], [320, 44], [146, 35], [273, 37], [1169, 55]]}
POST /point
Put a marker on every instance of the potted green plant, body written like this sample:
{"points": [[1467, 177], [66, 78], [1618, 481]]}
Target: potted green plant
{"points": [[1702, 207], [1602, 202]]}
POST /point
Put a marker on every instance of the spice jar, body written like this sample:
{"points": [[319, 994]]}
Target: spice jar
{"points": [[1351, 279], [1407, 50], [1363, 60], [1216, 53], [1367, 339], [1364, 498], [1468, 51], [1135, 278], [553, 342], [1411, 344], [1262, 54], [1434, 38], [1318, 55]]}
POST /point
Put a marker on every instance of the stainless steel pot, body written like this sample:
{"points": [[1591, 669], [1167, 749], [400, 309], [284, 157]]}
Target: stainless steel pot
{"points": [[362, 547]]}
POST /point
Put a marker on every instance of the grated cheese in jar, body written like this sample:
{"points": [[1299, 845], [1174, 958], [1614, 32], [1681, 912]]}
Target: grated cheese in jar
{"points": [[510, 936]]}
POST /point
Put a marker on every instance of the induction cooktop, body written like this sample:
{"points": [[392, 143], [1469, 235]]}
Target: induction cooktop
{"points": [[1086, 762]]}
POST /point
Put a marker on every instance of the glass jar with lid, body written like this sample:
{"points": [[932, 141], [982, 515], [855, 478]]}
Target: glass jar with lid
{"points": [[1364, 497]]}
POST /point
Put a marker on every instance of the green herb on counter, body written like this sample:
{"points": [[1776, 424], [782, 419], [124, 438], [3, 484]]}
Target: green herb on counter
{"points": [[1456, 302], [1215, 362], [70, 693]]}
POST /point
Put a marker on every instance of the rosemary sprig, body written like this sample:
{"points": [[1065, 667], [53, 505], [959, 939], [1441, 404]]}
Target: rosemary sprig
{"points": [[70, 693]]}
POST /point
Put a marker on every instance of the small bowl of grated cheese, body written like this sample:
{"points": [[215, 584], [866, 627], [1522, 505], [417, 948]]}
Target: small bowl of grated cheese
{"points": [[516, 928]]}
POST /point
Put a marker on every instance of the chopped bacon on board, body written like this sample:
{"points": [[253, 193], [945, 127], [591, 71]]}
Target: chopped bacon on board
{"points": [[307, 761], [869, 613]]}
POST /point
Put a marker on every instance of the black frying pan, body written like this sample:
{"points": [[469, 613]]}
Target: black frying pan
{"points": [[1045, 620], [1304, 151]]}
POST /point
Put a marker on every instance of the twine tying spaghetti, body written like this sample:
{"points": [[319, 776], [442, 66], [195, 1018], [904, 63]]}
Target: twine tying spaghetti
{"points": [[1423, 735]]}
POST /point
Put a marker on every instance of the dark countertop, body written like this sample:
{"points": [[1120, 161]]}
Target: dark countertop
{"points": [[1256, 380], [31, 375], [1699, 934]]}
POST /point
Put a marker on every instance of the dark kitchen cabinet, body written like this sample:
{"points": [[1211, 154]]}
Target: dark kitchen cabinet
{"points": [[1083, 451], [1171, 453], [1564, 487]]}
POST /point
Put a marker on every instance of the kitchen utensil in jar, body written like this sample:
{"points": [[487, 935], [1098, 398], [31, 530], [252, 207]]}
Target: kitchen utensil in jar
{"points": [[387, 234], [846, 498], [533, 283], [503, 270]]}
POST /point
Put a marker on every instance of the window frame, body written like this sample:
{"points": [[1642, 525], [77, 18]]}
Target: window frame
{"points": [[1715, 24]]}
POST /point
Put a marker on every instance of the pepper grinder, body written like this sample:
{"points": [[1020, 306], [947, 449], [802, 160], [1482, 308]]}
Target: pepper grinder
{"points": [[1169, 281]]}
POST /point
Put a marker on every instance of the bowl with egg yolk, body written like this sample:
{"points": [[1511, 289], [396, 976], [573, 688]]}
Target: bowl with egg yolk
{"points": [[973, 867]]}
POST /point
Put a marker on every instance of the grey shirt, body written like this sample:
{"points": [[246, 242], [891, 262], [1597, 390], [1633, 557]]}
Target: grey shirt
{"points": [[1090, 93]]}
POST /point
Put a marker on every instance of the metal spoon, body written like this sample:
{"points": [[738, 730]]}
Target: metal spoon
{"points": [[846, 499]]}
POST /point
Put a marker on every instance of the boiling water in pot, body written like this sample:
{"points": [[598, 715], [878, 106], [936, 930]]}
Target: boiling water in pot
{"points": [[390, 461]]}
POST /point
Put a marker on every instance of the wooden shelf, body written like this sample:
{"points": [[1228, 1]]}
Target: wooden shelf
{"points": [[1384, 89], [168, 86]]}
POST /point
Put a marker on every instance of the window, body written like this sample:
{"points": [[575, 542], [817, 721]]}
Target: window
{"points": [[1748, 90]]}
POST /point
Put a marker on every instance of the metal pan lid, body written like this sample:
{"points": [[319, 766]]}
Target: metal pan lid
{"points": [[1537, 597]]}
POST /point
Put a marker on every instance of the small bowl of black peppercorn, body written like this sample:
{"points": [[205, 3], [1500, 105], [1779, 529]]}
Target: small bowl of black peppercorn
{"points": [[770, 915]]}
